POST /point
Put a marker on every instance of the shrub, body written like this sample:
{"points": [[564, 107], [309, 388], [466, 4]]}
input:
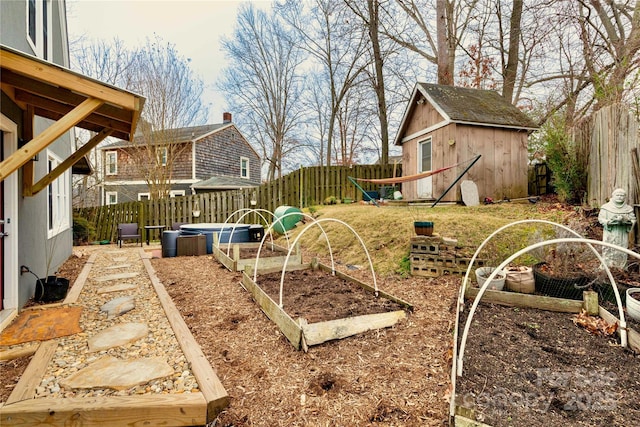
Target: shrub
{"points": [[569, 172], [83, 230]]}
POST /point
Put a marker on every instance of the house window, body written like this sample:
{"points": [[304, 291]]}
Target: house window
{"points": [[143, 196], [244, 167], [39, 24], [57, 198], [111, 162], [162, 156], [111, 198], [174, 193]]}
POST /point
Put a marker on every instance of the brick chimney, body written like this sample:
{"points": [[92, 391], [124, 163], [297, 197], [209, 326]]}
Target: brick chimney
{"points": [[226, 117]]}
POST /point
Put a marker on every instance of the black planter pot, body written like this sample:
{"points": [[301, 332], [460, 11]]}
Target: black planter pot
{"points": [[423, 228], [559, 287], [52, 289]]}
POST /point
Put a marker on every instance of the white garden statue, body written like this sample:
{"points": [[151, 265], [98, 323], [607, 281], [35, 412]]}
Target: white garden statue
{"points": [[617, 218]]}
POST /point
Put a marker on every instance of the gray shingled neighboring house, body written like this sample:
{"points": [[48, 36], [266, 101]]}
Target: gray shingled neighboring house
{"points": [[210, 158]]}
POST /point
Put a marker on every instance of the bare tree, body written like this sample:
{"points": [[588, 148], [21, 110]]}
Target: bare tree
{"points": [[262, 81], [412, 28], [371, 18], [107, 61], [610, 34], [333, 41], [173, 100]]}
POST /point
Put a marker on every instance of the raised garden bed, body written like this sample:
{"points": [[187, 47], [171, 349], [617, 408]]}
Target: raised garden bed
{"points": [[326, 306], [242, 255], [527, 363]]}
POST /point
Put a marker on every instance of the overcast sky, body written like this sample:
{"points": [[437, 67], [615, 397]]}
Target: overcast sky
{"points": [[193, 26]]}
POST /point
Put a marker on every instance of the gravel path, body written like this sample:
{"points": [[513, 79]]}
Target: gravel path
{"points": [[72, 353]]}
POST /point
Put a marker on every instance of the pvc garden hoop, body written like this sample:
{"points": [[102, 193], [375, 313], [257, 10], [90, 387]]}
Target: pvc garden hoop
{"points": [[268, 231], [623, 323], [248, 211], [333, 270]]}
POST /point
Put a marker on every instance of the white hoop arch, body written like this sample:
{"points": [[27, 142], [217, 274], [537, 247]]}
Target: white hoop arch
{"points": [[317, 223], [623, 323], [268, 232], [247, 211]]}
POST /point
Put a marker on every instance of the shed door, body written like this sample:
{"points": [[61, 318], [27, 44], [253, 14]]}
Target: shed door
{"points": [[425, 185]]}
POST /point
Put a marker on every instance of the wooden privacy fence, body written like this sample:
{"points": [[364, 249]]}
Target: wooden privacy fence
{"points": [[610, 142], [301, 188]]}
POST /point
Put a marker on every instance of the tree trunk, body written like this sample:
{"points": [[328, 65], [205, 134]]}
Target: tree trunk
{"points": [[511, 70], [445, 58]]}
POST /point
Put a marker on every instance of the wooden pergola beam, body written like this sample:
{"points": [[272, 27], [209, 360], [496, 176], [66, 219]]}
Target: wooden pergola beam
{"points": [[69, 161], [61, 108], [53, 132], [46, 72], [23, 84]]}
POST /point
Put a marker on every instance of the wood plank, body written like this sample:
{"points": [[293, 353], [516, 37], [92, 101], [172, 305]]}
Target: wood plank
{"points": [[214, 392], [317, 333], [287, 325], [291, 267], [633, 336], [74, 293], [42, 71], [48, 136], [515, 299], [14, 353], [32, 376], [186, 409], [461, 421]]}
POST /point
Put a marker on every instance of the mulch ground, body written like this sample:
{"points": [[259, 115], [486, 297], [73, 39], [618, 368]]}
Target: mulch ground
{"points": [[393, 376]]}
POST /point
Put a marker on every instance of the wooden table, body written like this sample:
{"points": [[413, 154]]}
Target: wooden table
{"points": [[148, 228]]}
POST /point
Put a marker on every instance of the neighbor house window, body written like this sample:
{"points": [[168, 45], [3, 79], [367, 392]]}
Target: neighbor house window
{"points": [[143, 196], [244, 167], [174, 193], [111, 162], [162, 156], [57, 198], [39, 24], [111, 198]]}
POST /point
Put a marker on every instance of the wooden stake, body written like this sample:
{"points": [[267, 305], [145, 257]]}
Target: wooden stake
{"points": [[590, 302]]}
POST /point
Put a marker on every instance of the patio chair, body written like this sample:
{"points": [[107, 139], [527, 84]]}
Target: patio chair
{"points": [[129, 231]]}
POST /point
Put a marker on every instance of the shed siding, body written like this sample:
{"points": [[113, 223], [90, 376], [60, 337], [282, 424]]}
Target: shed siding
{"points": [[424, 116], [500, 172]]}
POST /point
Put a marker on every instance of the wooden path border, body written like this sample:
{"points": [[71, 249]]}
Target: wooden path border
{"points": [[187, 409]]}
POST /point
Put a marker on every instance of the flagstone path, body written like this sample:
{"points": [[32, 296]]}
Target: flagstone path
{"points": [[127, 345]]}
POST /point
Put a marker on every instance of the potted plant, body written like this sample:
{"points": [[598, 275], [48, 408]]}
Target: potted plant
{"points": [[420, 226], [633, 303], [50, 288]]}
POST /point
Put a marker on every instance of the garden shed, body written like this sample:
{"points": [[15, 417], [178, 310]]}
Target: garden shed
{"points": [[447, 125]]}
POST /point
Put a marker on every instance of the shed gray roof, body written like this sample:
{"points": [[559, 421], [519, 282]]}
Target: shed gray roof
{"points": [[475, 106], [223, 183]]}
